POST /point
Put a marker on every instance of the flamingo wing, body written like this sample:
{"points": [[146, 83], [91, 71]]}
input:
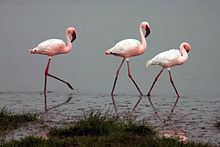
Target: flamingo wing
{"points": [[50, 44], [125, 48], [166, 58], [49, 47]]}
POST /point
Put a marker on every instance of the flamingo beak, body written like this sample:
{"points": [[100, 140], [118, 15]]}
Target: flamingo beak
{"points": [[73, 37], [147, 31]]}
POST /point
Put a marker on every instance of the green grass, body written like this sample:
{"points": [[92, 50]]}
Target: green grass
{"points": [[96, 124], [96, 129], [32, 141], [11, 120], [124, 140]]}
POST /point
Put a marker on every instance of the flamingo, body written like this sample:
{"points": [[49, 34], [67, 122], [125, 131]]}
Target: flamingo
{"points": [[168, 59], [53, 47], [128, 48]]}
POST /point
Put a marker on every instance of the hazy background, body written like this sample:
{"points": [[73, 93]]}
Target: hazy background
{"points": [[101, 24]]}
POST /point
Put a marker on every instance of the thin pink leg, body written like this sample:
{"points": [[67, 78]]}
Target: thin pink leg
{"points": [[68, 84], [171, 80], [129, 75], [46, 72], [45, 83], [155, 80], [177, 99], [116, 77]]}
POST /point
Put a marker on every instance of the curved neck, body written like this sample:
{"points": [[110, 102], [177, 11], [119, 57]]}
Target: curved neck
{"points": [[143, 39], [184, 55], [69, 44]]}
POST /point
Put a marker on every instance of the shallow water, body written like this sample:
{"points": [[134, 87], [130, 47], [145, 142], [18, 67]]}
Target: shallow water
{"points": [[100, 24]]}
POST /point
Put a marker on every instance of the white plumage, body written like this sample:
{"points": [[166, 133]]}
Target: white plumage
{"points": [[126, 48], [51, 47], [165, 59]]}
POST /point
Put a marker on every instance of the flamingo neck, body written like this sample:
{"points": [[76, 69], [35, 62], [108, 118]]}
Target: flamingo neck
{"points": [[143, 39], [69, 44], [184, 55]]}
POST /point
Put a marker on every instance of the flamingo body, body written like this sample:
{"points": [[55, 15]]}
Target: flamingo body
{"points": [[53, 47], [50, 47], [168, 59], [128, 48], [171, 57]]}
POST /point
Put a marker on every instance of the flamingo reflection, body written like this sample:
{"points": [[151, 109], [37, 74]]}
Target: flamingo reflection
{"points": [[61, 104], [133, 109], [167, 129], [154, 109]]}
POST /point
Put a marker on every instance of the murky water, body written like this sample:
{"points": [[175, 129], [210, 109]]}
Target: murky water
{"points": [[100, 24]]}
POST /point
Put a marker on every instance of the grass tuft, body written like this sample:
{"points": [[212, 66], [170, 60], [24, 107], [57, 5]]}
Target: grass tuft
{"points": [[138, 128], [96, 124], [11, 120], [92, 124]]}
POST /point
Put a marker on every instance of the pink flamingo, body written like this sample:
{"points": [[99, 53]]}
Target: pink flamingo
{"points": [[168, 59], [53, 47], [128, 48]]}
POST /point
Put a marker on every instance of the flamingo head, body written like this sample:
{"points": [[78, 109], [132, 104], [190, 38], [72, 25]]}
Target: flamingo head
{"points": [[33, 51], [107, 52], [37, 50], [186, 46], [72, 32], [146, 27]]}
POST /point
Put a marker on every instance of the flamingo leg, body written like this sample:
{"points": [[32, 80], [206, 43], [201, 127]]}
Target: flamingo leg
{"points": [[113, 100], [45, 83], [171, 81], [155, 80], [116, 77], [129, 75], [68, 84], [46, 73]]}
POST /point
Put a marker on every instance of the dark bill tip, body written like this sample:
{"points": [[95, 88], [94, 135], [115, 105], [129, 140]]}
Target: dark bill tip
{"points": [[73, 37], [147, 32]]}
